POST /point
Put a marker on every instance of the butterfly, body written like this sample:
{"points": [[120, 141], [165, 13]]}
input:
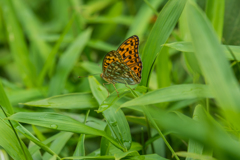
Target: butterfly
{"points": [[123, 65]]}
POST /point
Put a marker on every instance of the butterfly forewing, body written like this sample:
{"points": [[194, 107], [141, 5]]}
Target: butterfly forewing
{"points": [[123, 65], [129, 53]]}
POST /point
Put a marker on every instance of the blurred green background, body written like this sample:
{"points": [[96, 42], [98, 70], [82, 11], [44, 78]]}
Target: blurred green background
{"points": [[186, 107]]}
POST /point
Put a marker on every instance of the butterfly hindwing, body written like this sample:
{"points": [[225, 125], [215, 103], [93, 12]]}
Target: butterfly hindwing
{"points": [[110, 57]]}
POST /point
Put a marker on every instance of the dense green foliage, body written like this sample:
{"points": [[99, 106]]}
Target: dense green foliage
{"points": [[187, 105]]}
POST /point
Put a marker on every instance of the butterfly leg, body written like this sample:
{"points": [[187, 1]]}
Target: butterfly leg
{"points": [[106, 88], [116, 89]]}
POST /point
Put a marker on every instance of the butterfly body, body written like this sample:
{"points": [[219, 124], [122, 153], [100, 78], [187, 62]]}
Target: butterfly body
{"points": [[123, 65]]}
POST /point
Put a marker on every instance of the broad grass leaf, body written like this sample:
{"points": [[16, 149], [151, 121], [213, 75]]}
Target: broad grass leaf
{"points": [[159, 34], [172, 93], [188, 47], [66, 101], [215, 67], [59, 122], [116, 119], [218, 140]]}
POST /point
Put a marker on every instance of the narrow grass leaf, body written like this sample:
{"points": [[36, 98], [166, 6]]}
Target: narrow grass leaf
{"points": [[231, 33], [215, 13], [35, 148], [144, 15], [32, 138], [67, 62], [194, 156], [92, 157], [66, 101], [4, 101], [214, 65], [148, 157], [48, 66], [32, 27], [17, 44], [160, 32], [10, 143], [193, 146], [188, 47], [57, 145], [172, 93], [80, 149]]}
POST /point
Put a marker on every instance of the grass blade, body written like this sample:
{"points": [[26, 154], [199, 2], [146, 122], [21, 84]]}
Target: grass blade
{"points": [[172, 93], [4, 101], [17, 44], [59, 122], [214, 65], [66, 101], [66, 63], [160, 32]]}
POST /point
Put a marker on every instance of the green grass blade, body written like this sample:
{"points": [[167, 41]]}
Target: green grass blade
{"points": [[80, 149], [172, 93], [163, 68], [215, 13], [92, 157], [17, 44], [116, 119], [4, 101], [67, 62], [231, 33], [160, 32], [58, 144], [188, 47], [59, 122], [144, 15], [29, 136], [193, 146], [8, 138], [32, 27], [67, 101], [48, 66], [35, 147], [214, 65]]}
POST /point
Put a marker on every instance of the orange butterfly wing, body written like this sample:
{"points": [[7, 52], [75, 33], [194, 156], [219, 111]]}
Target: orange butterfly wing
{"points": [[129, 53]]}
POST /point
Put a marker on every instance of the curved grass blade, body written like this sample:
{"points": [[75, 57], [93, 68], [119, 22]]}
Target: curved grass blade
{"points": [[172, 93], [4, 101], [11, 144], [116, 119], [160, 32], [31, 137], [188, 47], [59, 122], [57, 145], [66, 101], [215, 67], [17, 44], [67, 61]]}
